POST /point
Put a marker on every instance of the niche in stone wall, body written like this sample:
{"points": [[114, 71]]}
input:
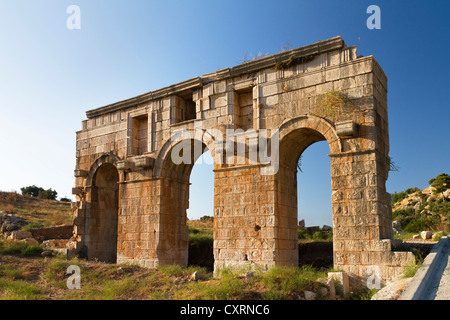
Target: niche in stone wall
{"points": [[244, 104], [183, 107], [139, 135]]}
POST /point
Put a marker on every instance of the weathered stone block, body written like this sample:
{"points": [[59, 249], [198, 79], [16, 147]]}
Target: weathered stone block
{"points": [[124, 165], [341, 282], [347, 129], [80, 173], [144, 162]]}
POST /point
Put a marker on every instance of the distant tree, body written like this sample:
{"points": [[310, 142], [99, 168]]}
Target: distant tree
{"points": [[398, 196], [31, 190], [47, 194], [412, 190], [206, 218], [64, 199], [39, 192], [440, 183]]}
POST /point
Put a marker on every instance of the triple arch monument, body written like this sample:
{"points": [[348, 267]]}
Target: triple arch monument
{"points": [[133, 191]]}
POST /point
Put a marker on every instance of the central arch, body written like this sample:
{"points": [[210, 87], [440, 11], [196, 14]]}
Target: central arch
{"points": [[173, 242], [296, 136], [314, 206]]}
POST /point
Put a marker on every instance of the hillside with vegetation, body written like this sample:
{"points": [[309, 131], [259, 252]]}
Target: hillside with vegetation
{"points": [[37, 211], [415, 210]]}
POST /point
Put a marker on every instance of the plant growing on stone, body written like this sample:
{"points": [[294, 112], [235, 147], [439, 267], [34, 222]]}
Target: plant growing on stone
{"points": [[299, 164], [331, 103], [391, 164], [257, 56], [283, 65]]}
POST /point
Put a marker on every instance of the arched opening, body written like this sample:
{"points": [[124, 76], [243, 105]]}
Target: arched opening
{"points": [[314, 206], [177, 166], [201, 212], [294, 162], [314, 181], [103, 219]]}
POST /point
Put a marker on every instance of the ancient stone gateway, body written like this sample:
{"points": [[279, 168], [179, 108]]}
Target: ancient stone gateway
{"points": [[134, 159]]}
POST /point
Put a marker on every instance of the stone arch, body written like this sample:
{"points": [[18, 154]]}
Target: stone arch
{"points": [[102, 217], [94, 220], [207, 138], [172, 247], [104, 159], [296, 135], [314, 124]]}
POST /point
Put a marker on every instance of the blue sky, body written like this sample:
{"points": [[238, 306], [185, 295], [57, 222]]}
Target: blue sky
{"points": [[50, 75]]}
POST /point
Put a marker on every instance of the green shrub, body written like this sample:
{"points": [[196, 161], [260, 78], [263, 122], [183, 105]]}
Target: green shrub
{"points": [[13, 247], [33, 250], [322, 235], [363, 294], [441, 208], [19, 290], [403, 216], [19, 247], [31, 190], [399, 196], [417, 225], [316, 235], [303, 234], [412, 190], [410, 270], [438, 235], [200, 236], [290, 280], [32, 225]]}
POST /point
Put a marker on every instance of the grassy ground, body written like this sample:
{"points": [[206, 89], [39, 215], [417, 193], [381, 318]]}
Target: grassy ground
{"points": [[25, 274]]}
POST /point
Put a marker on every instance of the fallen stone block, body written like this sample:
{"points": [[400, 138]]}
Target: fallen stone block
{"points": [[330, 289], [20, 235], [30, 241], [341, 282], [392, 291], [309, 295], [426, 235]]}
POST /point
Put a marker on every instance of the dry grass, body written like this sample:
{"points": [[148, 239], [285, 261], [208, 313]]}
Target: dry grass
{"points": [[46, 279], [40, 212], [24, 274], [201, 224]]}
